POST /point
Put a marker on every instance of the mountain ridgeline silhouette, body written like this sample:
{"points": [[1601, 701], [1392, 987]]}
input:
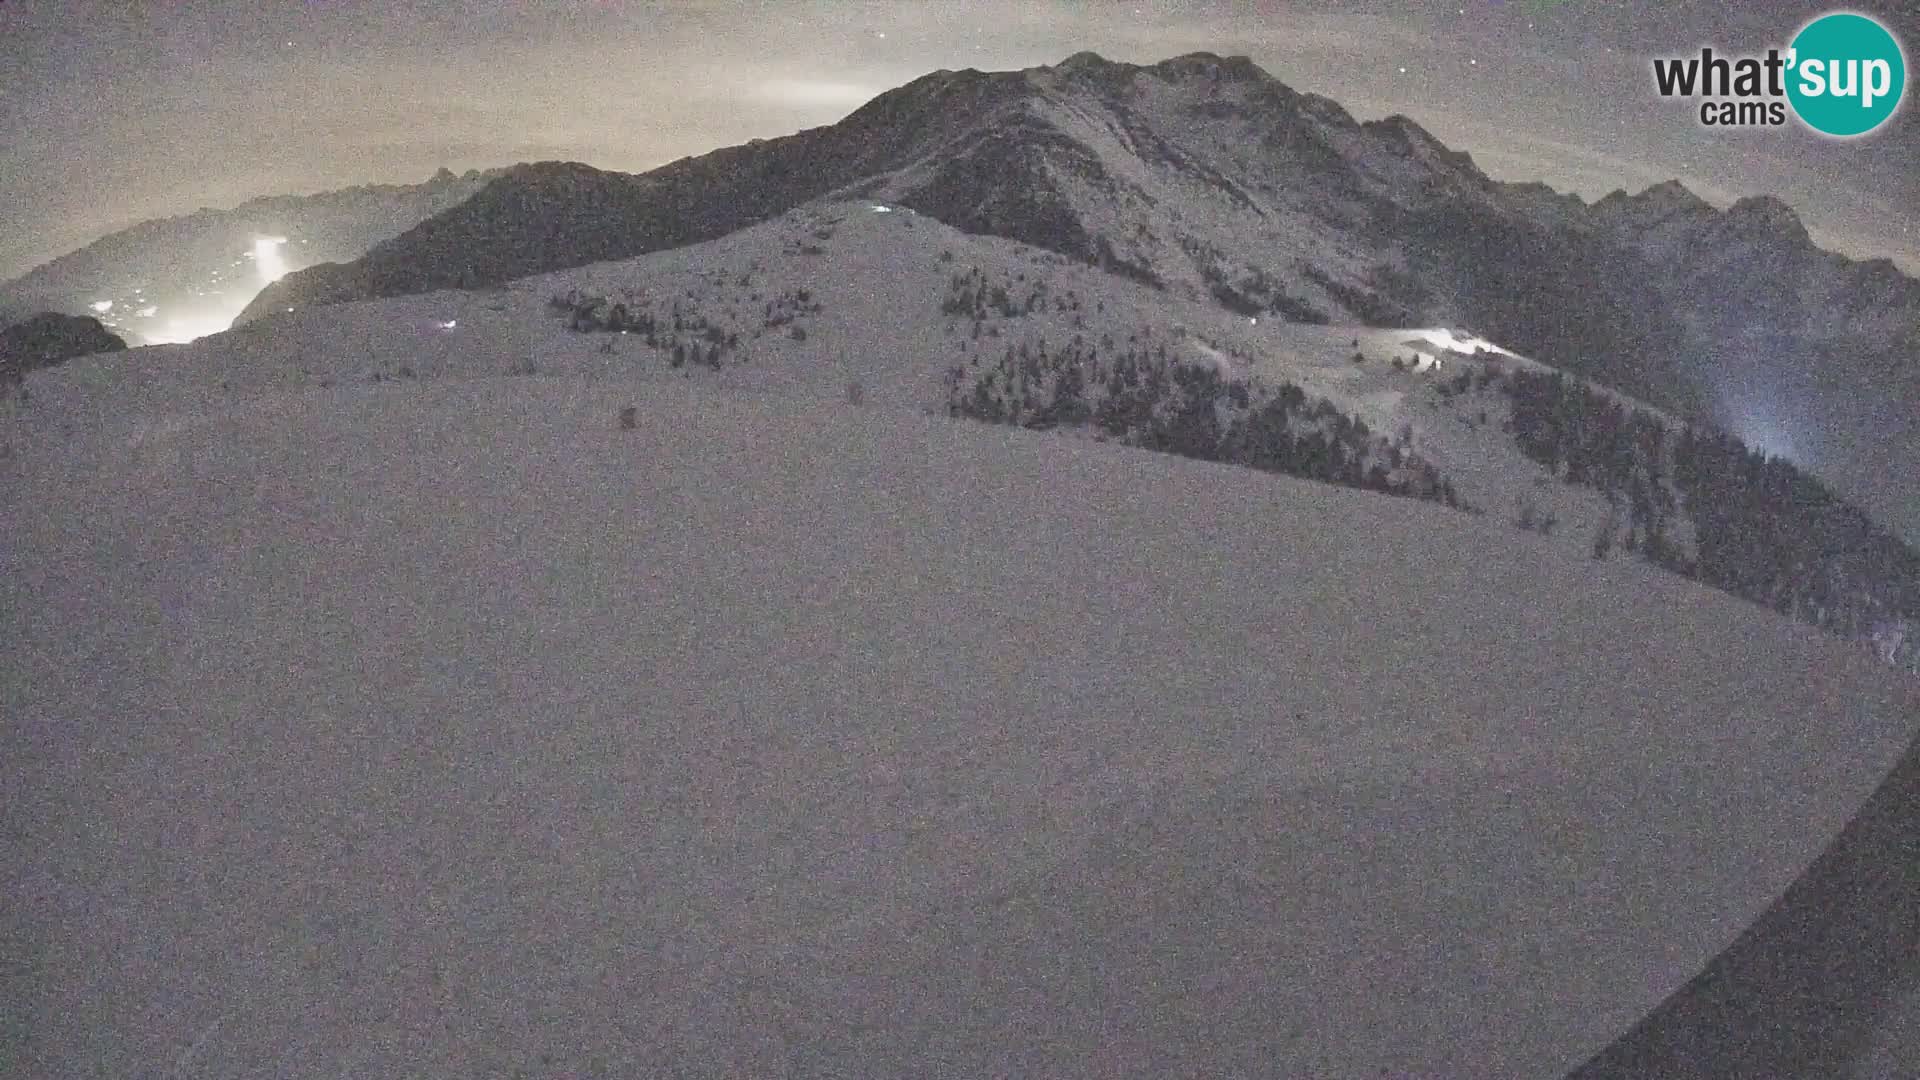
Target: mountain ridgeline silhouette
{"points": [[1205, 175], [48, 339]]}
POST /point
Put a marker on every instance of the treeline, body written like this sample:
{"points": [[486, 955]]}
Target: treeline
{"points": [[1771, 533], [1249, 290], [1140, 395], [682, 333], [1588, 438], [971, 295], [1762, 529]]}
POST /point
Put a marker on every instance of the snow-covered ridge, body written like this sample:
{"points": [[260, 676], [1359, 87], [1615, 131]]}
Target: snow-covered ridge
{"points": [[443, 725], [1212, 180], [430, 718], [845, 291], [863, 294]]}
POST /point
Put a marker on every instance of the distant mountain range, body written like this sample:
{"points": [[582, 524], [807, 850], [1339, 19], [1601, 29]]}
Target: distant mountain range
{"points": [[1201, 175], [1205, 176], [864, 300], [785, 529], [178, 277], [1213, 187]]}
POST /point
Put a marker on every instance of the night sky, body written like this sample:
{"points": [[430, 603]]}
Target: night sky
{"points": [[113, 112]]}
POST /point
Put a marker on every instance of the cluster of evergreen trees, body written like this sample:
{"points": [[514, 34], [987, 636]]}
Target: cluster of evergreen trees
{"points": [[1771, 533], [1142, 396], [1588, 438], [594, 314], [684, 336], [1761, 529], [1248, 290], [971, 295], [787, 307]]}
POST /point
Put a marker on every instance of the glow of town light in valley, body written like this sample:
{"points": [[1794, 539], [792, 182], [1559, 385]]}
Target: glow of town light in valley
{"points": [[269, 266], [186, 328], [267, 260]]}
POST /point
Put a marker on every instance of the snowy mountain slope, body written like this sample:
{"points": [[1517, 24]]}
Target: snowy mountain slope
{"points": [[1441, 388], [1894, 1041], [870, 290], [442, 727], [872, 283], [1200, 174], [1757, 258], [919, 315], [1209, 178], [1812, 354]]}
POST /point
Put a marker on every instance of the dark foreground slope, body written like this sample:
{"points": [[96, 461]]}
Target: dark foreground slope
{"points": [[50, 338], [445, 729], [1806, 988]]}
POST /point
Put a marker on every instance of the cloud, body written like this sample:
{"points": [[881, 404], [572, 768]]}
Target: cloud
{"points": [[1507, 153], [813, 93]]}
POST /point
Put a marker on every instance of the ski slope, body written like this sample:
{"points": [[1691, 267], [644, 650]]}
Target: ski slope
{"points": [[438, 727], [875, 278]]}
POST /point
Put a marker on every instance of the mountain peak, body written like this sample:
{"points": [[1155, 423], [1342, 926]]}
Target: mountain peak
{"points": [[1205, 65], [1409, 135], [1089, 68], [1085, 60], [1764, 213], [1664, 201], [1212, 65], [1672, 193], [1408, 139]]}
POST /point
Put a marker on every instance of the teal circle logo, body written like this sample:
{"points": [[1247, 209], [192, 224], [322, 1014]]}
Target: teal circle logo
{"points": [[1846, 74]]}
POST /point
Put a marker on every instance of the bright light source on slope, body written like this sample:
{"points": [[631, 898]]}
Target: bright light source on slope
{"points": [[102, 306], [450, 324], [182, 329], [878, 209], [1761, 425], [1464, 343], [266, 258]]}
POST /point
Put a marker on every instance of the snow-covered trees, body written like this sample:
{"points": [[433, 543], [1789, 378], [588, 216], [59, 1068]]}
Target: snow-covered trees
{"points": [[680, 333], [1762, 529], [1144, 397]]}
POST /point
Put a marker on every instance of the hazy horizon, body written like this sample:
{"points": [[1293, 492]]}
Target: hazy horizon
{"points": [[118, 110]]}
